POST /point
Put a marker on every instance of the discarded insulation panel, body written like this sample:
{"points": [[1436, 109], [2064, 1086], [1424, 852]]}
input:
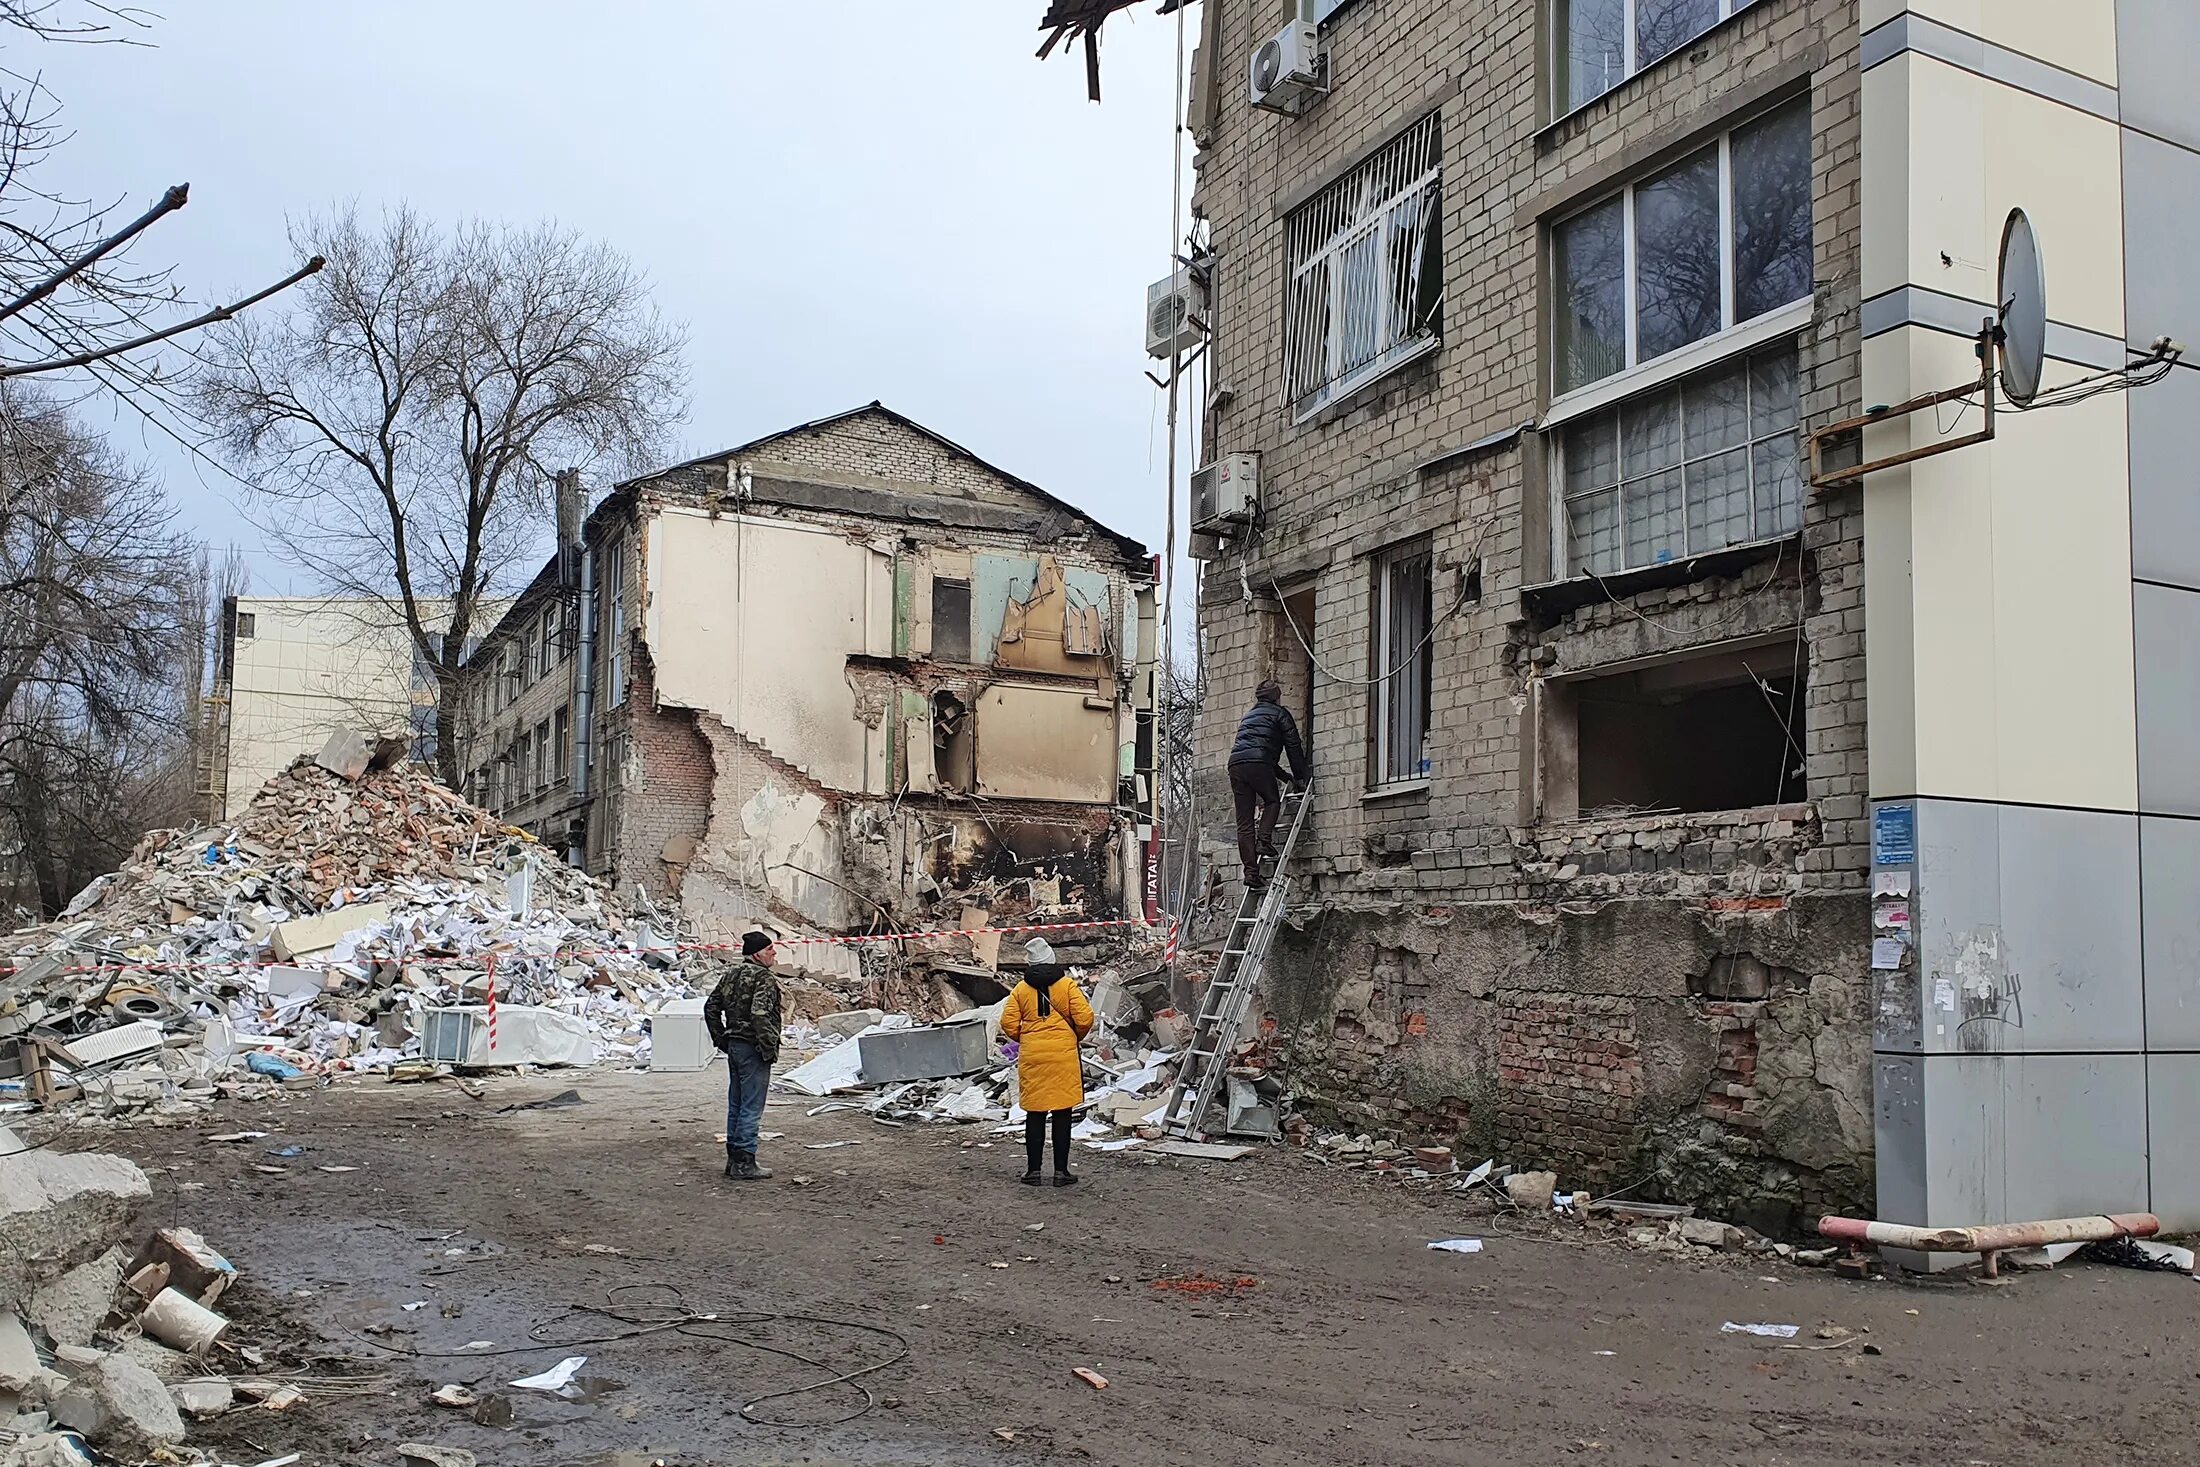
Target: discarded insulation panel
{"points": [[930, 1053]]}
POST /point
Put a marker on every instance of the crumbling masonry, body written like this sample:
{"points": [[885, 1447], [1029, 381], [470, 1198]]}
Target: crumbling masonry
{"points": [[1586, 879]]}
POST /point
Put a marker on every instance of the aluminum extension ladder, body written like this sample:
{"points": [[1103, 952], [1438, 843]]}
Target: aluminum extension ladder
{"points": [[1229, 994]]}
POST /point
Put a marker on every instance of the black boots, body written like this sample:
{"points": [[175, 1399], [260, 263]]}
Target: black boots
{"points": [[741, 1166]]}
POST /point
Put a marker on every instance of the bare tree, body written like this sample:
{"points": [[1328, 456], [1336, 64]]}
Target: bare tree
{"points": [[69, 296], [94, 590], [404, 420]]}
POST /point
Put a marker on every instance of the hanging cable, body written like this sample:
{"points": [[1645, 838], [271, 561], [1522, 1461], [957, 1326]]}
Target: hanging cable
{"points": [[1463, 600]]}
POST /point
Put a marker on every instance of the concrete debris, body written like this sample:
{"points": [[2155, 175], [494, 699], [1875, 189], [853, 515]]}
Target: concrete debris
{"points": [[427, 1456], [1705, 1233], [71, 1308], [120, 1407], [314, 935], [60, 1211], [1532, 1190], [48, 1449], [204, 1397]]}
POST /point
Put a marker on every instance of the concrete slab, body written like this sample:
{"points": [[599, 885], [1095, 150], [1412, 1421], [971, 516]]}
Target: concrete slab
{"points": [[59, 1211]]}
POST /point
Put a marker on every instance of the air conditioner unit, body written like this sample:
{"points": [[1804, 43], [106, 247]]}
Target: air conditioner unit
{"points": [[1176, 314], [1226, 491], [1289, 70]]}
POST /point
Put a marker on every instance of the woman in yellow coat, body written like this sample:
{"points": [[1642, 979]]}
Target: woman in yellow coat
{"points": [[1046, 1016]]}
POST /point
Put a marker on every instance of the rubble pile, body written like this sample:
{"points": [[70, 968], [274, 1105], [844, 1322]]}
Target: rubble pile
{"points": [[1130, 1061], [352, 919], [111, 1340]]}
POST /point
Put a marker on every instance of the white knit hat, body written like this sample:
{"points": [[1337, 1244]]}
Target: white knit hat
{"points": [[1039, 950]]}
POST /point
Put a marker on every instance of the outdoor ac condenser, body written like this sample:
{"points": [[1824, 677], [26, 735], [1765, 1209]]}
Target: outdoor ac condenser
{"points": [[1226, 492]]}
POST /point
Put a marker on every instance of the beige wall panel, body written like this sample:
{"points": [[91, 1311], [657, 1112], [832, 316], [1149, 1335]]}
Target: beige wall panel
{"points": [[1977, 150], [2076, 35], [2019, 576]]}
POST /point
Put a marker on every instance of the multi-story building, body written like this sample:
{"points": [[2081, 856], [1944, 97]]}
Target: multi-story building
{"points": [[1530, 312], [291, 670], [844, 673]]}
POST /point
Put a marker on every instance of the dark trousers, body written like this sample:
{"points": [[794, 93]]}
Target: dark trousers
{"points": [[748, 1076], [1258, 800], [1035, 1138]]}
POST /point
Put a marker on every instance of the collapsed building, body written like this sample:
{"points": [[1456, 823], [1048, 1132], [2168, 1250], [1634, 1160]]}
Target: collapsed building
{"points": [[1517, 325], [845, 676]]}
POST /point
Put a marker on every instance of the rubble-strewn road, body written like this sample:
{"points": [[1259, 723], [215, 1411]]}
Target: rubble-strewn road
{"points": [[1358, 1345]]}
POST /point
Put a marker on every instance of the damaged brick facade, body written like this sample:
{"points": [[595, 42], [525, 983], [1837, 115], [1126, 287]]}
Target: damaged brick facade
{"points": [[841, 676], [1634, 766]]}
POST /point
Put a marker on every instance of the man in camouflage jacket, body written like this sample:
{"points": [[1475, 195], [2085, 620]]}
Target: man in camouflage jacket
{"points": [[742, 1014]]}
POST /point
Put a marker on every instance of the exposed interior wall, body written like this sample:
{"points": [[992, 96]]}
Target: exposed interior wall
{"points": [[861, 682]]}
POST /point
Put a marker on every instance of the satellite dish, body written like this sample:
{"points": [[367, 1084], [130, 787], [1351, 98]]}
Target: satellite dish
{"points": [[2023, 301], [1267, 65]]}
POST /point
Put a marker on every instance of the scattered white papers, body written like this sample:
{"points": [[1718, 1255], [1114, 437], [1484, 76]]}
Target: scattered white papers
{"points": [[558, 1379], [1770, 1331], [1458, 1245], [1125, 1144]]}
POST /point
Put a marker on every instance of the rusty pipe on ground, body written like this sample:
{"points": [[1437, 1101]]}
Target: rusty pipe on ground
{"points": [[1991, 1239]]}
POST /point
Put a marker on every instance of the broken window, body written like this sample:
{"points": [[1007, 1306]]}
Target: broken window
{"points": [[247, 624], [1717, 239], [561, 745], [1367, 277], [1699, 466], [542, 755], [546, 639], [950, 620], [954, 744], [1403, 665], [1714, 732], [1597, 44]]}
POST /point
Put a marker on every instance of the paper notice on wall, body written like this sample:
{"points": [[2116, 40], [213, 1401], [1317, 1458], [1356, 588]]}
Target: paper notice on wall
{"points": [[1887, 952], [1893, 915], [1890, 883], [1944, 994]]}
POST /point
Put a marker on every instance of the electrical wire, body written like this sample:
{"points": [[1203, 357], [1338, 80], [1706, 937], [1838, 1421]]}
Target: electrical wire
{"points": [[683, 1319], [1474, 556]]}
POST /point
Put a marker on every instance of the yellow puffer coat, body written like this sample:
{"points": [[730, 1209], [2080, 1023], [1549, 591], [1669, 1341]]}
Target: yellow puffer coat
{"points": [[1049, 1075]]}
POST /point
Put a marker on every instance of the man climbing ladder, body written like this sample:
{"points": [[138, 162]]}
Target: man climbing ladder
{"points": [[1266, 736]]}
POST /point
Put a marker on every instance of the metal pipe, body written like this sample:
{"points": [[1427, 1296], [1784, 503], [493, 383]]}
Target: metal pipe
{"points": [[584, 677], [1991, 1237]]}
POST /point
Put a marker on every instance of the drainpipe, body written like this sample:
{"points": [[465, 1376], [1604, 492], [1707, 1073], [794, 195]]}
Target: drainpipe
{"points": [[584, 680]]}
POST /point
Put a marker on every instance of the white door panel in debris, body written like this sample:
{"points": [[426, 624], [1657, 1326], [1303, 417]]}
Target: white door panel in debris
{"points": [[1045, 744]]}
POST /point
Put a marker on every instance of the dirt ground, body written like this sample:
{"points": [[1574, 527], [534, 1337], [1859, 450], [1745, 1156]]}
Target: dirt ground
{"points": [[1357, 1345]]}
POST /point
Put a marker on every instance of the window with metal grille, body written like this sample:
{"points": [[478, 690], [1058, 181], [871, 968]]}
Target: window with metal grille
{"points": [[1367, 280], [1704, 464], [1718, 239], [1403, 665], [1597, 44]]}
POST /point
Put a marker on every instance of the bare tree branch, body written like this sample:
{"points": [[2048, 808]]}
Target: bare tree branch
{"points": [[218, 314]]}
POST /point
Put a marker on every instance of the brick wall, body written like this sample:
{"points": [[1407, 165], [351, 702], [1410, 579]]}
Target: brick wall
{"points": [[1475, 845]]}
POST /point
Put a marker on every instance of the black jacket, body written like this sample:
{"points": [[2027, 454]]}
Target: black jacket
{"points": [[1267, 736]]}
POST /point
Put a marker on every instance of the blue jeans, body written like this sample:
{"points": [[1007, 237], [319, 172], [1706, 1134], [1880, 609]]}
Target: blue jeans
{"points": [[748, 1076]]}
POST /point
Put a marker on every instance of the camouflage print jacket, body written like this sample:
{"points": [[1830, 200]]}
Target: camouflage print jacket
{"points": [[745, 1005]]}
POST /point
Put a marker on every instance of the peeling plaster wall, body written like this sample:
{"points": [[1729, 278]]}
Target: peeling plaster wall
{"points": [[753, 620]]}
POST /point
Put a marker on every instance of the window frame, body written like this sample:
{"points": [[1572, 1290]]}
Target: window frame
{"points": [[614, 622], [1732, 336], [1562, 500], [1422, 193], [1382, 778], [561, 744], [1555, 47]]}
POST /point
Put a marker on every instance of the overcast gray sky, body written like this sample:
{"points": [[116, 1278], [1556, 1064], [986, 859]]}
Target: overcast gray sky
{"points": [[841, 199]]}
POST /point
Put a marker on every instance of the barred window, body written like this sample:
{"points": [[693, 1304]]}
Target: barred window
{"points": [[1403, 695], [1707, 463], [1367, 280]]}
